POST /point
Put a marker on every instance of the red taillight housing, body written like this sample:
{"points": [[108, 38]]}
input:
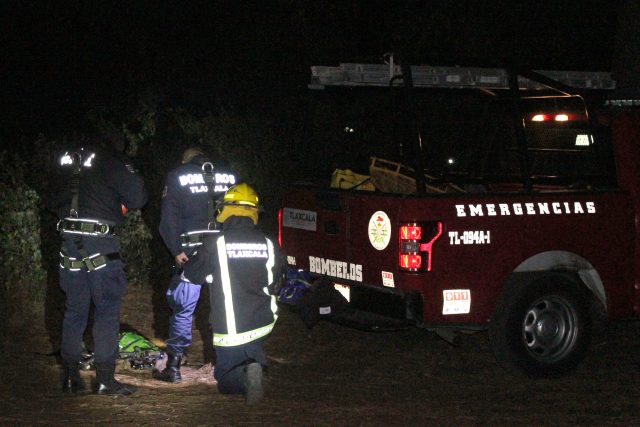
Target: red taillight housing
{"points": [[415, 245]]}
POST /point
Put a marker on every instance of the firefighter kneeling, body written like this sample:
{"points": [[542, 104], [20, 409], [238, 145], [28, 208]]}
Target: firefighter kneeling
{"points": [[240, 266]]}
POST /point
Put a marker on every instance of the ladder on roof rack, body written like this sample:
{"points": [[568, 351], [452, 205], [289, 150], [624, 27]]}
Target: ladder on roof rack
{"points": [[426, 76]]}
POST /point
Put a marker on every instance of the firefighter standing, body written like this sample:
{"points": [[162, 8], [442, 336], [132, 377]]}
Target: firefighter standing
{"points": [[240, 267], [187, 215], [98, 183]]}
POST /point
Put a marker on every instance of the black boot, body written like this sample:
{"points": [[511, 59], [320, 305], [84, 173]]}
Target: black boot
{"points": [[171, 373], [71, 380], [107, 384], [254, 391]]}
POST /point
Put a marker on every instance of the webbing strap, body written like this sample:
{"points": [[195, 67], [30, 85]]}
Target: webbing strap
{"points": [[75, 184], [207, 169], [90, 263], [84, 226], [195, 238]]}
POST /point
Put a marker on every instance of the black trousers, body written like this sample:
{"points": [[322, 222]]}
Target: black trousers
{"points": [[229, 370], [104, 288]]}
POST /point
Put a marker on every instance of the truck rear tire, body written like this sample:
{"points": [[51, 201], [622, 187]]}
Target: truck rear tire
{"points": [[542, 327]]}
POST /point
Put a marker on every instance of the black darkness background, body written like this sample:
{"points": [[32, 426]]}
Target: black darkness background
{"points": [[61, 58]]}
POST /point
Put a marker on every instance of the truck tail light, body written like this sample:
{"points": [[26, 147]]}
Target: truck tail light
{"points": [[416, 245], [540, 118], [559, 117]]}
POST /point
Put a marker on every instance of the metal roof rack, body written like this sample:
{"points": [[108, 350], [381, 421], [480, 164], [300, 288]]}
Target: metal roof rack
{"points": [[427, 76]]}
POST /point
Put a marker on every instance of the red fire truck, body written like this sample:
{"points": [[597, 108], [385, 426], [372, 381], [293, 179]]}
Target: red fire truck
{"points": [[527, 230]]}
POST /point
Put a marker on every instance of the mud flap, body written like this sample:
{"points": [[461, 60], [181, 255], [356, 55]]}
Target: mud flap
{"points": [[324, 302]]}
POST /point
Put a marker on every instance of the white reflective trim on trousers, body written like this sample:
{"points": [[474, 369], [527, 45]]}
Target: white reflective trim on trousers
{"points": [[226, 286], [231, 340]]}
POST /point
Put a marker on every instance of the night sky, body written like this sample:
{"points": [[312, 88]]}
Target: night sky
{"points": [[63, 57]]}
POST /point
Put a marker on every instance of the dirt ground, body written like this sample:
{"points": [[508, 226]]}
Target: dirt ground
{"points": [[331, 375]]}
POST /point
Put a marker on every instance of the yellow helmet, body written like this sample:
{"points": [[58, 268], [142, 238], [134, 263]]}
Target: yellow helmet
{"points": [[239, 200], [241, 194]]}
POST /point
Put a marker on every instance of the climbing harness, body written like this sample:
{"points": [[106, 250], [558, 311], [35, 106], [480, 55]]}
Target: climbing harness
{"points": [[196, 238], [79, 227]]}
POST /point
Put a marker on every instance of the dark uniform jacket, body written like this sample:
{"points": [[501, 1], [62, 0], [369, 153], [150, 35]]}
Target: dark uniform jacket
{"points": [[240, 264], [106, 182], [185, 201]]}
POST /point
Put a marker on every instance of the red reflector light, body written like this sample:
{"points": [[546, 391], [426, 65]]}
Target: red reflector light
{"points": [[410, 232], [411, 262], [562, 118]]}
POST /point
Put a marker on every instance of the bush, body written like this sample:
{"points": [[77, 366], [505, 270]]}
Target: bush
{"points": [[20, 245], [136, 251]]}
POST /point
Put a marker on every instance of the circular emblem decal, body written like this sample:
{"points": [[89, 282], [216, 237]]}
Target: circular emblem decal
{"points": [[379, 230]]}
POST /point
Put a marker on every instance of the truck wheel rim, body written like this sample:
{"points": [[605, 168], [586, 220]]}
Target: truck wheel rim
{"points": [[550, 328]]}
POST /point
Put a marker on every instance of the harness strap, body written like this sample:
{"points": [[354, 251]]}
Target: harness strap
{"points": [[86, 227], [90, 263], [75, 184], [195, 238], [207, 169]]}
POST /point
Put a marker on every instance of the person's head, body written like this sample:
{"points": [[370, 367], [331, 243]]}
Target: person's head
{"points": [[239, 200], [190, 154]]}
